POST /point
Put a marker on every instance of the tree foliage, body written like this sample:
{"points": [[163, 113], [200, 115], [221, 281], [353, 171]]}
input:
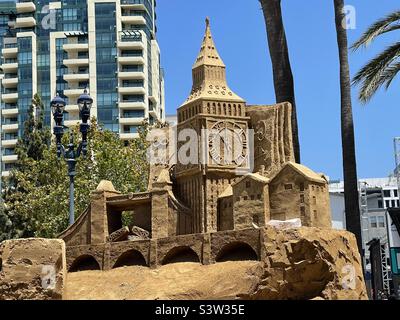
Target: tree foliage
{"points": [[36, 195], [384, 67]]}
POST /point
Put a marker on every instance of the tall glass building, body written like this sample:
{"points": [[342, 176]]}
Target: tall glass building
{"points": [[107, 46]]}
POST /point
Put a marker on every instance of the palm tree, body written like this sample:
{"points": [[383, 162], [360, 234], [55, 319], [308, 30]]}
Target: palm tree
{"points": [[282, 71], [384, 67], [351, 197]]}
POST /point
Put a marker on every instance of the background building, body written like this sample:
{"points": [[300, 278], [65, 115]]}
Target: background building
{"points": [[337, 210], [110, 47], [377, 195], [171, 119]]}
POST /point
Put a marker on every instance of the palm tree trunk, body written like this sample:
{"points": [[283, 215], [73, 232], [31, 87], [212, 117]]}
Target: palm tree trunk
{"points": [[351, 196], [282, 71]]}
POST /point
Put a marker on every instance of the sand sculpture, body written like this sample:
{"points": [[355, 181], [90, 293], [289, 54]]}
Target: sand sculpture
{"points": [[223, 208]]}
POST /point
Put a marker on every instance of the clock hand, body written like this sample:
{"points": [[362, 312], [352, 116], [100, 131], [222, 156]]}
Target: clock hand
{"points": [[225, 144]]}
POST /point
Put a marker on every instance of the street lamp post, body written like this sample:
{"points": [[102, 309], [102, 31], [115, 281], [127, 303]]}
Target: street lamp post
{"points": [[69, 154]]}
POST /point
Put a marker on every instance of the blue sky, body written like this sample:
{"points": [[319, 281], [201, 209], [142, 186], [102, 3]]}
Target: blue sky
{"points": [[239, 32]]}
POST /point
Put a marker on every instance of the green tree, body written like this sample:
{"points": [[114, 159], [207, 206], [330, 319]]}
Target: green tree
{"points": [[36, 137], [282, 71], [30, 148], [41, 199], [382, 69], [352, 208]]}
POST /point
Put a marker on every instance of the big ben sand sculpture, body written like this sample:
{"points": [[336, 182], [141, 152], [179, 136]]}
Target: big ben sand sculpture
{"points": [[224, 207], [218, 192]]}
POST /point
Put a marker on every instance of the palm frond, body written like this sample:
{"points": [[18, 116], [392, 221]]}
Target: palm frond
{"points": [[387, 24], [390, 73], [372, 75]]}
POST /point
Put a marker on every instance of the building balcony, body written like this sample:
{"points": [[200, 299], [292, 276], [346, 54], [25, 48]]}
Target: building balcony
{"points": [[10, 158], [76, 62], [131, 90], [72, 108], [23, 7], [130, 39], [140, 5], [74, 91], [76, 47], [9, 82], [153, 99], [10, 67], [9, 52], [9, 97], [9, 112], [25, 22], [135, 45], [131, 75], [128, 136], [5, 173], [133, 19], [76, 76], [131, 60], [131, 121], [71, 123], [153, 112], [10, 127], [130, 105], [9, 143]]}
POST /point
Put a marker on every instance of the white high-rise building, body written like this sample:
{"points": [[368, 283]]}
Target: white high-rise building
{"points": [[106, 46]]}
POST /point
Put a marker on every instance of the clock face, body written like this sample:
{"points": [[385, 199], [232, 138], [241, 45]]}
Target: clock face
{"points": [[227, 143]]}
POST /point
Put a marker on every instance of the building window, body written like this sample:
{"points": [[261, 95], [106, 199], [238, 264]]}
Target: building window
{"points": [[252, 197], [314, 200], [247, 184], [288, 186], [133, 114], [386, 193], [393, 203], [301, 186], [8, 166], [259, 196], [373, 222], [387, 203], [245, 198], [131, 129], [302, 198], [302, 211], [395, 193], [381, 222], [380, 204]]}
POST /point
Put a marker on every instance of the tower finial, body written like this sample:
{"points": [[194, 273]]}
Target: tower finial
{"points": [[207, 22]]}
